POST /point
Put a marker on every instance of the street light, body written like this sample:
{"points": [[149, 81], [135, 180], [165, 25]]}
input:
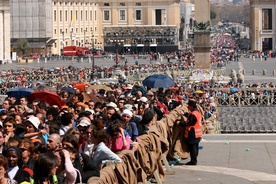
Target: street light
{"points": [[62, 32], [116, 45], [84, 40], [93, 61]]}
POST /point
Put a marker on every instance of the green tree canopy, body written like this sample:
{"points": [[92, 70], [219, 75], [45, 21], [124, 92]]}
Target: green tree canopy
{"points": [[213, 15], [23, 46]]}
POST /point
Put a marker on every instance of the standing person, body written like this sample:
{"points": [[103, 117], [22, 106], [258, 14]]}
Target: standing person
{"points": [[193, 131]]}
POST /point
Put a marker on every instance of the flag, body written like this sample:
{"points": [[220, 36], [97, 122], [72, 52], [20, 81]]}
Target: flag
{"points": [[73, 21]]}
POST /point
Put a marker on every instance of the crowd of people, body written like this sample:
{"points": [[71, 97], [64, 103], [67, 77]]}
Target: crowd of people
{"points": [[73, 142]]}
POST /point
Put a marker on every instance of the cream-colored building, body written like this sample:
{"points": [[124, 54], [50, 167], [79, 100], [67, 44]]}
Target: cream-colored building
{"points": [[128, 26], [4, 31], [263, 24]]}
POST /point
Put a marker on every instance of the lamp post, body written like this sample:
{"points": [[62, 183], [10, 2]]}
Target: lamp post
{"points": [[116, 46], [93, 61], [84, 40]]}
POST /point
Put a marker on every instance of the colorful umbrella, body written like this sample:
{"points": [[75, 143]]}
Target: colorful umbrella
{"points": [[19, 92], [68, 89], [101, 86], [81, 86], [47, 96], [158, 81]]}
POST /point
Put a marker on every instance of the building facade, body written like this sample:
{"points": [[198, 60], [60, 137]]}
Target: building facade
{"points": [[262, 25], [32, 20], [126, 26], [4, 30]]}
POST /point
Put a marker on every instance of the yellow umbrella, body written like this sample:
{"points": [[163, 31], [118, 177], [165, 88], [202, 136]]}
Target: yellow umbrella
{"points": [[199, 91]]}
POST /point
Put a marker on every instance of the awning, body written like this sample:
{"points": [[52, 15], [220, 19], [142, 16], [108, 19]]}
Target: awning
{"points": [[153, 45], [140, 45], [127, 45], [51, 41]]}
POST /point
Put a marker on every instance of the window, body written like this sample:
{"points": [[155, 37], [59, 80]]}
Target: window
{"points": [[60, 15], [122, 4], [55, 45], [122, 14], [76, 30], [55, 15], [71, 15], [95, 29], [86, 15], [106, 4], [137, 4], [106, 15], [267, 19], [66, 18], [66, 31], [138, 15], [81, 15], [55, 31], [95, 15], [76, 15], [90, 15]]}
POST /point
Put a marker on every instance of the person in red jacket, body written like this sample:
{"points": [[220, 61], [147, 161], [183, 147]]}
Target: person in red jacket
{"points": [[193, 130]]}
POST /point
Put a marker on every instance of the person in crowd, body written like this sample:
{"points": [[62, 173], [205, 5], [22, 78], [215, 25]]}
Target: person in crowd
{"points": [[45, 169], [15, 172], [32, 129], [117, 140], [27, 150], [65, 171], [87, 146], [130, 126], [39, 148], [54, 143], [193, 131], [81, 162], [9, 125], [2, 141], [73, 131], [67, 121], [4, 178], [148, 119], [101, 153], [6, 104]]}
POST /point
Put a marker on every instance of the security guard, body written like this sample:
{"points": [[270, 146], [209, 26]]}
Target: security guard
{"points": [[193, 131]]}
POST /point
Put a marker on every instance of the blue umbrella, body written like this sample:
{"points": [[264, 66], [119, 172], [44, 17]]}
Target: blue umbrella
{"points": [[19, 92], [233, 90], [158, 81], [68, 89]]}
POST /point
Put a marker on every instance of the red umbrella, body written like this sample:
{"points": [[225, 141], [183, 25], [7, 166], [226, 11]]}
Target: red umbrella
{"points": [[47, 96], [81, 86]]}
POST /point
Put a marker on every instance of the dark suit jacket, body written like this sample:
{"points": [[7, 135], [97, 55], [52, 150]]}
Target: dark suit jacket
{"points": [[21, 176]]}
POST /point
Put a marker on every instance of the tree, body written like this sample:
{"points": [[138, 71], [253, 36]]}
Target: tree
{"points": [[23, 46], [213, 15]]}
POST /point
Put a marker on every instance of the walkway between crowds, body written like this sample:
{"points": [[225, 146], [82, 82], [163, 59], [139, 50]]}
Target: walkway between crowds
{"points": [[231, 158]]}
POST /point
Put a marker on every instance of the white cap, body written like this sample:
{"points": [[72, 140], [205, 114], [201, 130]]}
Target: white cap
{"points": [[128, 106], [111, 104], [127, 111], [35, 121], [129, 86], [143, 99], [84, 121]]}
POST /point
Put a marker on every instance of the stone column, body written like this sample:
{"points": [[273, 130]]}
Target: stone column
{"points": [[1, 36], [7, 35], [202, 34]]}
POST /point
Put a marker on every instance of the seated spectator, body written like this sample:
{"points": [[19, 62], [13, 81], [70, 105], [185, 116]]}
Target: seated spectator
{"points": [[130, 126], [101, 153], [117, 139], [148, 119]]}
